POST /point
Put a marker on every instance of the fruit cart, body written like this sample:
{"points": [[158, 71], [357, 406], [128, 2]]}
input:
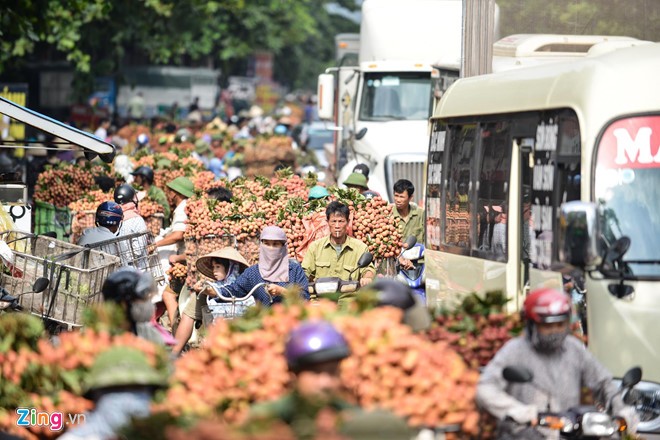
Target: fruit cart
{"points": [[71, 276]]}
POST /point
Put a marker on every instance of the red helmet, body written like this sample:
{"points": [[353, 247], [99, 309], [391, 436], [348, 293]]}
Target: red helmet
{"points": [[546, 306]]}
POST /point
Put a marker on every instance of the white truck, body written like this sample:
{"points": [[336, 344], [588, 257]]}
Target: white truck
{"points": [[380, 108]]}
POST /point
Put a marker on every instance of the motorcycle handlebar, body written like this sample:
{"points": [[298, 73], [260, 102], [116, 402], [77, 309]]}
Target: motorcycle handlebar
{"points": [[231, 296]]}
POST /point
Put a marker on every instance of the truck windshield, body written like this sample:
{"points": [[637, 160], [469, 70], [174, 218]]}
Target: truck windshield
{"points": [[627, 187], [396, 96]]}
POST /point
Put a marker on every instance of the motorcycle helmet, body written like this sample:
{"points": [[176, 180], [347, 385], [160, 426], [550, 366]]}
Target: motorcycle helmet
{"points": [[124, 194], [317, 192], [145, 172], [109, 214], [396, 294], [314, 342], [362, 168], [128, 284], [142, 140], [547, 306], [370, 194], [121, 367]]}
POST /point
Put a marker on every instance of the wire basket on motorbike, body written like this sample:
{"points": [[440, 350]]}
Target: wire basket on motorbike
{"points": [[133, 251], [51, 278]]}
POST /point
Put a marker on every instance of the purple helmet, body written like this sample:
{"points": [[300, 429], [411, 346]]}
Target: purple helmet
{"points": [[314, 342], [109, 214]]}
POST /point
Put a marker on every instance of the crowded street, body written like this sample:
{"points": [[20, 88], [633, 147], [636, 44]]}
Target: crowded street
{"points": [[376, 219]]}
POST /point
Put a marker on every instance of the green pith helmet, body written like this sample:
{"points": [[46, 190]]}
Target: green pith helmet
{"points": [[123, 366], [202, 147], [317, 192], [357, 179], [183, 186]]}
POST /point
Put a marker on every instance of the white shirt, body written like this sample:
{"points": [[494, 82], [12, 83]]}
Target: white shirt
{"points": [[101, 133], [179, 223]]}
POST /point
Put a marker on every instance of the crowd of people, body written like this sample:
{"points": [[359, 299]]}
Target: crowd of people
{"points": [[314, 350]]}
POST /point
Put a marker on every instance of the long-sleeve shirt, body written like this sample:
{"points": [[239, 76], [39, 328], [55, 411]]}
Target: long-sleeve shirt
{"points": [[556, 386], [251, 277]]}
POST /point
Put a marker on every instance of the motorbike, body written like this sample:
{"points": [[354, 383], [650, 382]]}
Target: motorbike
{"points": [[329, 286], [584, 421], [10, 303], [414, 277]]}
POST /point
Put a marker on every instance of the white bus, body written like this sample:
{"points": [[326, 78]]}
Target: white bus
{"points": [[515, 155], [525, 50]]}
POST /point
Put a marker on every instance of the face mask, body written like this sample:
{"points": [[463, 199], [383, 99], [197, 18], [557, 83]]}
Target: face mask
{"points": [[548, 343], [142, 311]]}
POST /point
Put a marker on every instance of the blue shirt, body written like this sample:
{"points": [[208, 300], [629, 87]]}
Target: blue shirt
{"points": [[251, 277]]}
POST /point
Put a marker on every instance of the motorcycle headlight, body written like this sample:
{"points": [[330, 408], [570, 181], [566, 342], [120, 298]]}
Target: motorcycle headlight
{"points": [[4, 304], [320, 175], [327, 287], [645, 397], [598, 424], [413, 254]]}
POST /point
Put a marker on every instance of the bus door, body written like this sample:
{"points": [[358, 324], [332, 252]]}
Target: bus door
{"points": [[549, 176]]}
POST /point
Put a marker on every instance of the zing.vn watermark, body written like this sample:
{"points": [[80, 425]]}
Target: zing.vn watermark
{"points": [[55, 420]]}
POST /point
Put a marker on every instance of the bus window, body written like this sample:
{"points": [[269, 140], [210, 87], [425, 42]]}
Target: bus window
{"points": [[492, 194], [627, 187], [434, 183], [568, 161], [457, 194], [555, 179]]}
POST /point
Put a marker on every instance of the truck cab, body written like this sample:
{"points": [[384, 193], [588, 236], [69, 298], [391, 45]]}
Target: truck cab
{"points": [[380, 107]]}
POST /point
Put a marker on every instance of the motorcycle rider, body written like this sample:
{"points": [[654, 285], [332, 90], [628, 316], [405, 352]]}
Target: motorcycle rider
{"points": [[121, 382], [338, 254], [410, 216], [134, 253], [314, 351], [132, 290], [144, 177], [561, 366], [108, 219]]}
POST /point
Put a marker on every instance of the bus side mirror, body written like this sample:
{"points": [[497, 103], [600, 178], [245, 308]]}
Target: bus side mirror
{"points": [[326, 96], [579, 238]]}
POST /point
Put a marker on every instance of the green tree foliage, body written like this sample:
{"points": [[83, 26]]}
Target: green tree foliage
{"points": [[632, 18], [98, 36]]}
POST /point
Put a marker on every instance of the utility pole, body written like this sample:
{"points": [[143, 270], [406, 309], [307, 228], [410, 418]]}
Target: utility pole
{"points": [[479, 22]]}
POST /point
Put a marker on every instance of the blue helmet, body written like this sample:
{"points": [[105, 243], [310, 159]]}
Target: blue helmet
{"points": [[142, 139], [109, 214], [317, 192]]}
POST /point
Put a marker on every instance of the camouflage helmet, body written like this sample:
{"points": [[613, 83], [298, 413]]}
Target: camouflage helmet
{"points": [[120, 367]]}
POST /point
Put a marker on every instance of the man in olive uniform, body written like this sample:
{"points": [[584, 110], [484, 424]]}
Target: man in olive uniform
{"points": [[144, 177], [410, 216], [338, 254]]}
